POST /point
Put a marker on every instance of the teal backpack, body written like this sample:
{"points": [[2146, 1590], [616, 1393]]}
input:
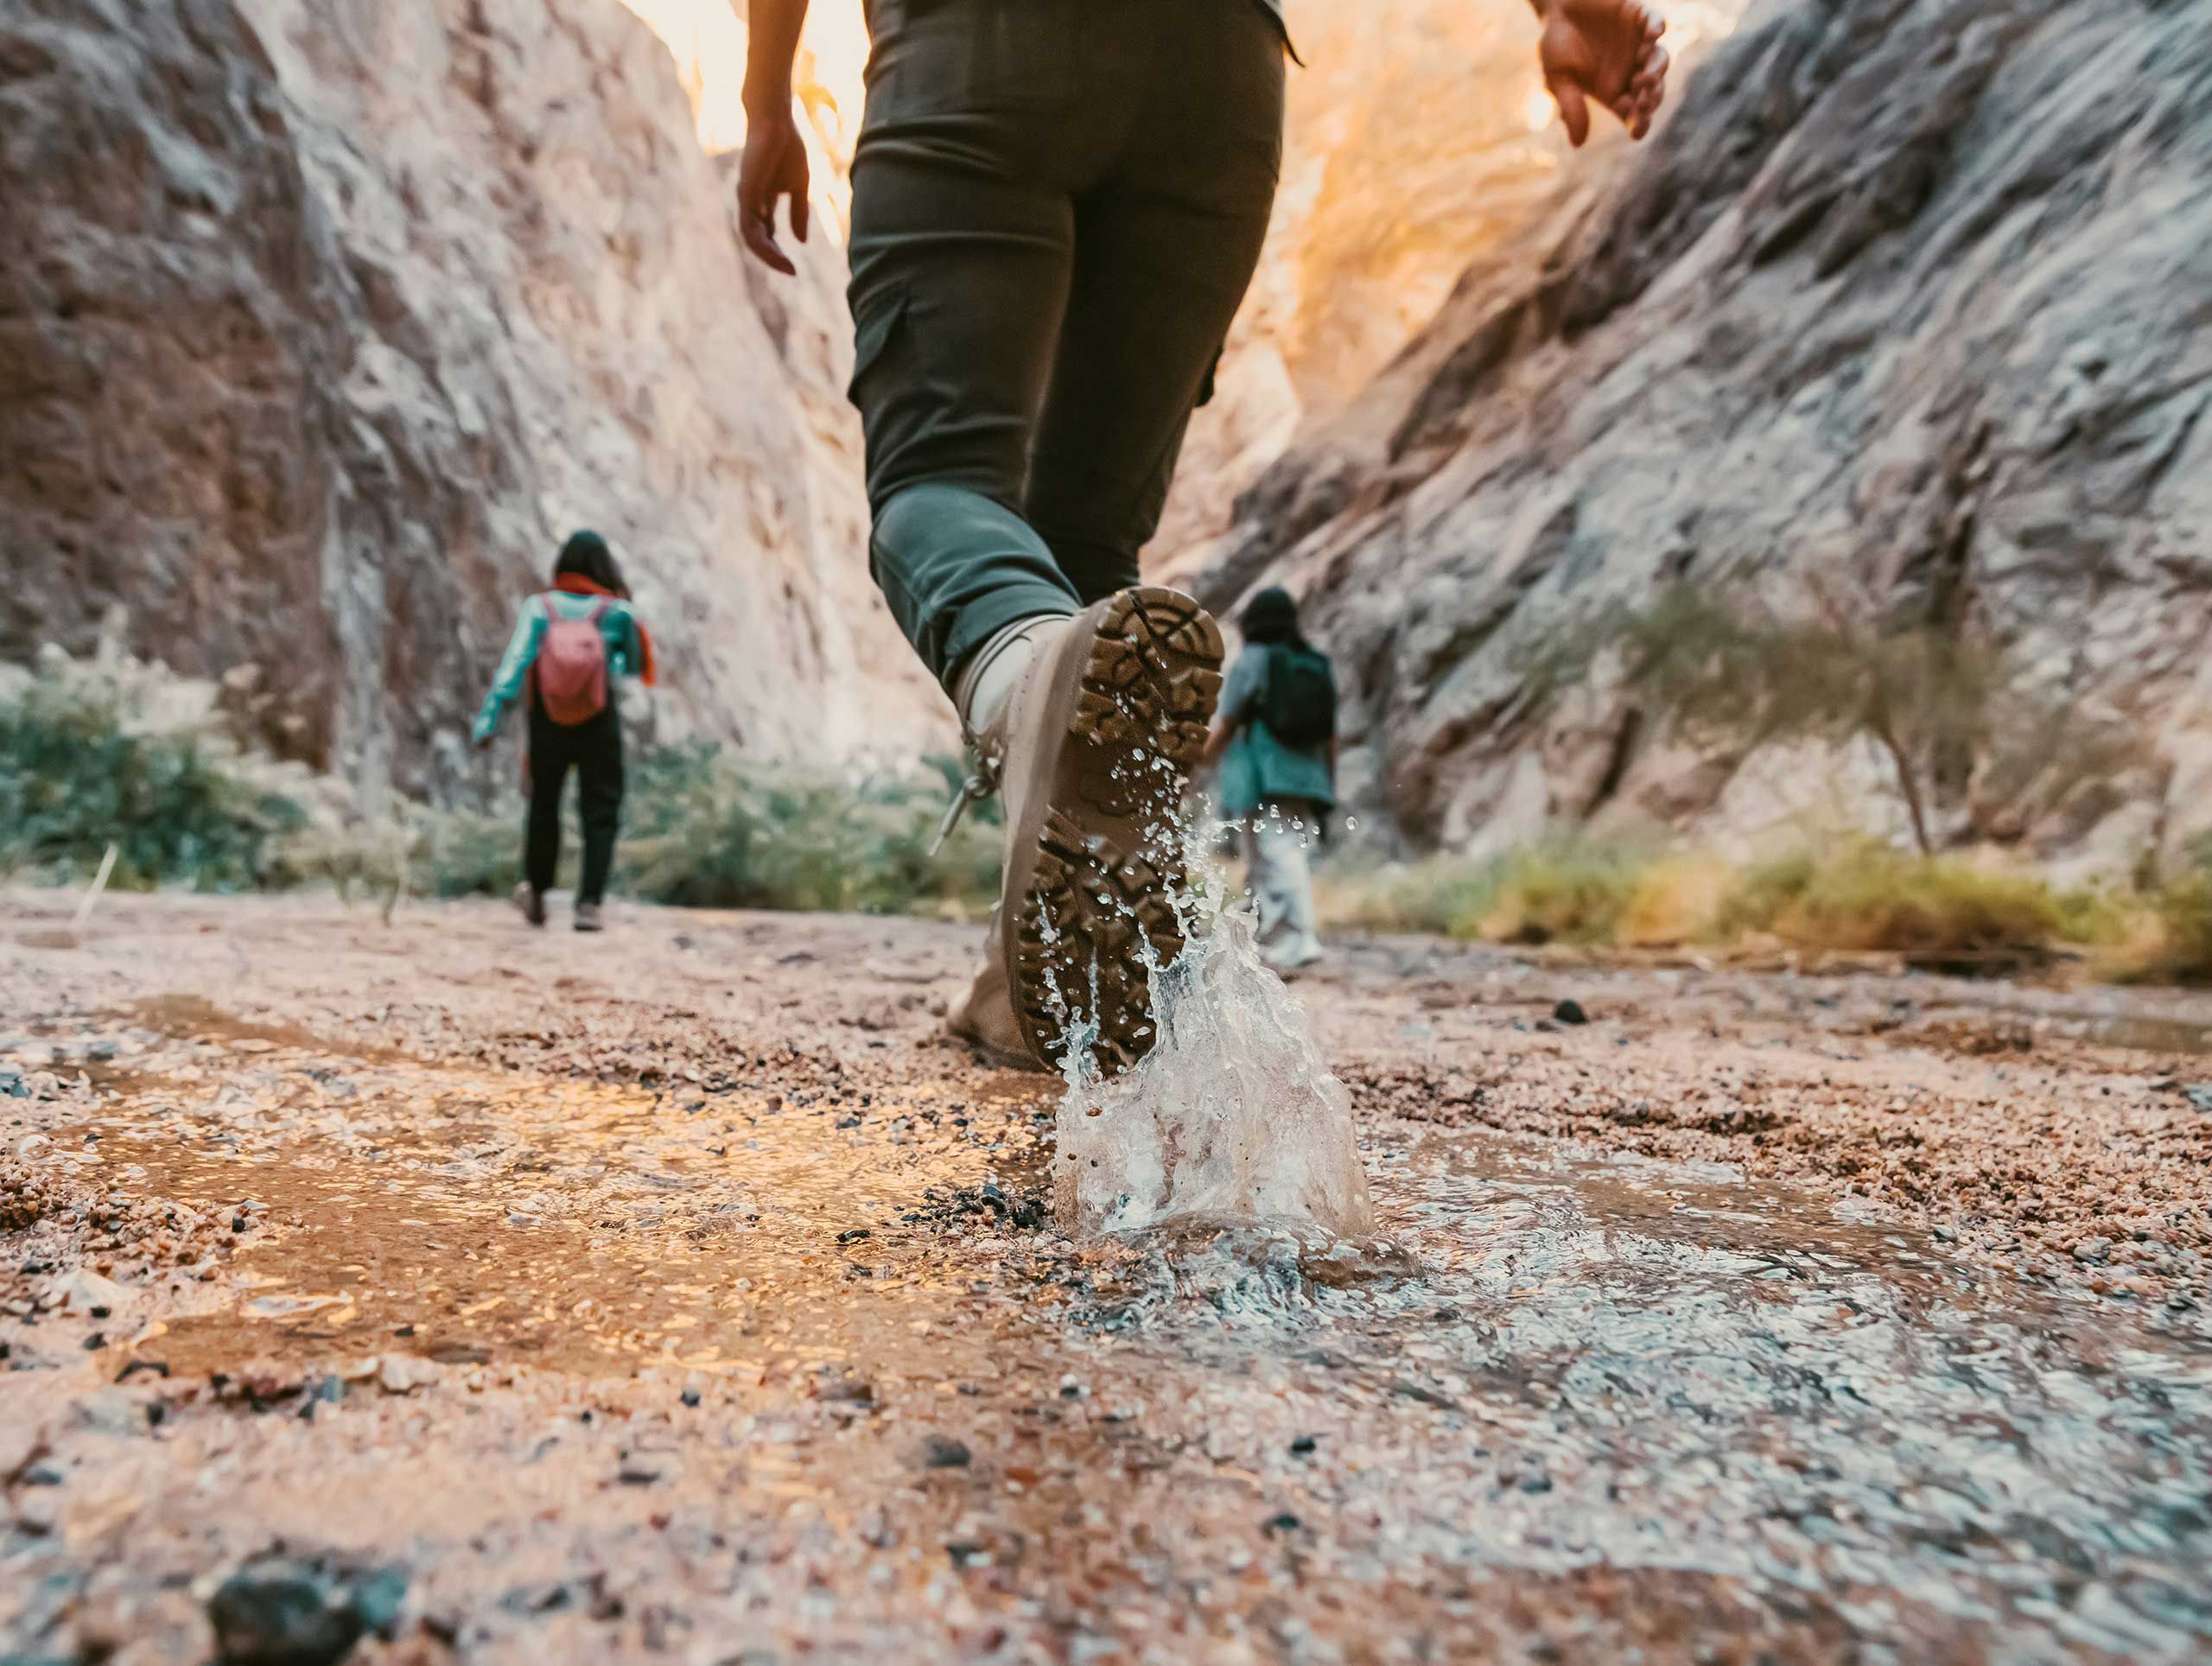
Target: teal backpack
{"points": [[1299, 704]]}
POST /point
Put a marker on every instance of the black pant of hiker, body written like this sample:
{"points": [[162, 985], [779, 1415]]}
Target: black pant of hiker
{"points": [[593, 750]]}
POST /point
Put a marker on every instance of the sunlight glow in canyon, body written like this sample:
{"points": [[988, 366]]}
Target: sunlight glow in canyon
{"points": [[708, 43]]}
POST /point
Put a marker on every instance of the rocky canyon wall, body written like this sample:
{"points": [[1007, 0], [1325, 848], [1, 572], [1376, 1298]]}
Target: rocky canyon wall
{"points": [[1906, 303], [1420, 137], [321, 324]]}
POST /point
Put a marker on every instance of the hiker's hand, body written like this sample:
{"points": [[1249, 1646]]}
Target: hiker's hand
{"points": [[774, 167], [1606, 53]]}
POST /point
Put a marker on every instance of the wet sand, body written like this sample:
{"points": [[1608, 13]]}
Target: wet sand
{"points": [[681, 1294]]}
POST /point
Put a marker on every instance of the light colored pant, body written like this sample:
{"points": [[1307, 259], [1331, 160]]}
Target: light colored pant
{"points": [[1278, 840]]}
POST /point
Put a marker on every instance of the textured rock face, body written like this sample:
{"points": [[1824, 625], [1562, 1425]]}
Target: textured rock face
{"points": [[1907, 305], [1418, 135], [323, 324]]}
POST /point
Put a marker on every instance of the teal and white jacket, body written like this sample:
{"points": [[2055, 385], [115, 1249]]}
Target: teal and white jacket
{"points": [[629, 651]]}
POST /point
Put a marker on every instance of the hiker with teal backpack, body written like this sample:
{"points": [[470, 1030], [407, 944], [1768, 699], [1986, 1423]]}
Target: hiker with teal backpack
{"points": [[1276, 744], [570, 644]]}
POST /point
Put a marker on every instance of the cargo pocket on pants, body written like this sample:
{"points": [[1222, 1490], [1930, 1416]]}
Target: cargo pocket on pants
{"points": [[876, 324]]}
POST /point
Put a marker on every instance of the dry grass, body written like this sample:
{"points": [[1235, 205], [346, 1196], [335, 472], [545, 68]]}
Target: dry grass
{"points": [[1859, 897], [2170, 942], [1868, 897]]}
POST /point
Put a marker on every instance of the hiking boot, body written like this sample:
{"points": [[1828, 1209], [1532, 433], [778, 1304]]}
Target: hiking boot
{"points": [[984, 1017], [1099, 742], [587, 917], [532, 903]]}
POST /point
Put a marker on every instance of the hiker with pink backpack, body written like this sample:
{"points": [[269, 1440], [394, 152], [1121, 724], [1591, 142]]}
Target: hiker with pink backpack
{"points": [[570, 644]]}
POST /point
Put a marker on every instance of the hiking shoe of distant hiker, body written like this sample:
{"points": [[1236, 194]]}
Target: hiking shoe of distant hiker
{"points": [[587, 917], [1100, 741], [532, 903], [984, 1017]]}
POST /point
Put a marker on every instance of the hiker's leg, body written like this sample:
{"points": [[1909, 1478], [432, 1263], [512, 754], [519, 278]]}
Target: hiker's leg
{"points": [[983, 119], [1266, 881], [1283, 882], [1302, 819], [549, 774], [1165, 246], [598, 797]]}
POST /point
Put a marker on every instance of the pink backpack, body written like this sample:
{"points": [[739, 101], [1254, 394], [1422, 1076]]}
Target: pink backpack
{"points": [[571, 667]]}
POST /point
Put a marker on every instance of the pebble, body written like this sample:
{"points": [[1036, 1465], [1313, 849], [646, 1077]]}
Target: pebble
{"points": [[942, 1452], [2092, 1249], [1569, 1011], [85, 1292], [287, 1611], [404, 1373]]}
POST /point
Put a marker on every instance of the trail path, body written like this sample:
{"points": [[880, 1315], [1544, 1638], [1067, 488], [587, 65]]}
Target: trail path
{"points": [[680, 1294]]}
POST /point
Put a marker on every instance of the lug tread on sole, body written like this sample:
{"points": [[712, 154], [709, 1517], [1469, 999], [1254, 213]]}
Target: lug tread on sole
{"points": [[1148, 699], [1093, 913], [1098, 914]]}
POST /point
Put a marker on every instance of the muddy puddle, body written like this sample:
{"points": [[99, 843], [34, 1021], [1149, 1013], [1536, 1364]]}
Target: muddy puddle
{"points": [[1563, 1361], [388, 1206]]}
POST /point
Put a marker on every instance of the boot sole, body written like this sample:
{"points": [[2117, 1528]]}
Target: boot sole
{"points": [[1093, 870]]}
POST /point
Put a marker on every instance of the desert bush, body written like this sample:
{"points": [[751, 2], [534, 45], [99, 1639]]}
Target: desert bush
{"points": [[84, 766], [1442, 894], [1566, 890], [709, 830], [1859, 896], [1867, 896], [1957, 720], [1563, 889], [2171, 936]]}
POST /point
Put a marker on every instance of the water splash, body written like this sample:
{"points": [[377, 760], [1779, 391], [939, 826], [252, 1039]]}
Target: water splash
{"points": [[1233, 1118]]}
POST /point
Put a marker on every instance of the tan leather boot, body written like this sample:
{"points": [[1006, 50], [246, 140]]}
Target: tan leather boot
{"points": [[984, 1017], [1101, 736]]}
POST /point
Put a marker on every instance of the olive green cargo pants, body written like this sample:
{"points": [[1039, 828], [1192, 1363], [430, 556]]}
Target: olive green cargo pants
{"points": [[1058, 206]]}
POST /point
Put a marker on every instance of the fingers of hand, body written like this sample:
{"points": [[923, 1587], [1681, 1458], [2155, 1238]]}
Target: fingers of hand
{"points": [[1572, 110], [1650, 94], [759, 233]]}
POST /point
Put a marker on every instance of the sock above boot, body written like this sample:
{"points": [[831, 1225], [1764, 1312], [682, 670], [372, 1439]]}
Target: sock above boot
{"points": [[985, 690]]}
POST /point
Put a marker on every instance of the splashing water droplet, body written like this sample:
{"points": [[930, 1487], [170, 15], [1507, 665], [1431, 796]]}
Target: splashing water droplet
{"points": [[1233, 1116]]}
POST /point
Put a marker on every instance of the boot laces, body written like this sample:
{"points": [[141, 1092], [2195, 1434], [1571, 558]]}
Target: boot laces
{"points": [[984, 767]]}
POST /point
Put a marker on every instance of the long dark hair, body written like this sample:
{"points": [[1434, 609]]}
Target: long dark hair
{"points": [[1272, 616], [587, 556]]}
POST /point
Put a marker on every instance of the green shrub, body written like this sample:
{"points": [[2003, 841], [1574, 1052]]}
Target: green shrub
{"points": [[1561, 891], [2184, 910], [1442, 894], [76, 776], [1869, 897], [2172, 939], [707, 831]]}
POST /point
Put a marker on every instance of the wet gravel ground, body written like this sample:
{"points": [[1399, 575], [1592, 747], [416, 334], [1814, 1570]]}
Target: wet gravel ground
{"points": [[681, 1294]]}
